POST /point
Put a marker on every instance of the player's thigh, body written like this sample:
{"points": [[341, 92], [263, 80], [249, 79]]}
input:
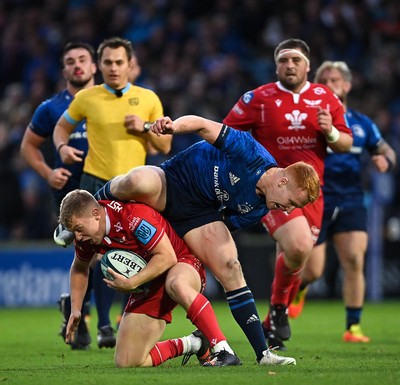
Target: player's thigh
{"points": [[295, 237], [144, 184], [351, 247], [214, 246], [137, 335], [182, 284]]}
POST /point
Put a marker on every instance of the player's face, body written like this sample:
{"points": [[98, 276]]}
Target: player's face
{"points": [[79, 68], [286, 198], [292, 70], [115, 67], [88, 227], [335, 81]]}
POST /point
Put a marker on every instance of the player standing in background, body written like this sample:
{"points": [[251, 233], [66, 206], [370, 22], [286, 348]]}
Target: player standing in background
{"points": [[294, 120], [225, 182], [345, 213], [78, 61], [118, 116], [172, 275]]}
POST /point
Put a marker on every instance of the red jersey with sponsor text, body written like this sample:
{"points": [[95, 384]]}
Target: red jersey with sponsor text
{"points": [[135, 227], [139, 228], [286, 123]]}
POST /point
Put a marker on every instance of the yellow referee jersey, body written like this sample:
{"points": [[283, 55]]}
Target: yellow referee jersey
{"points": [[112, 151]]}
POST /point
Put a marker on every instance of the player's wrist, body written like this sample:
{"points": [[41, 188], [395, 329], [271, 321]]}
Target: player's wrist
{"points": [[60, 146], [390, 164], [146, 127], [333, 136]]}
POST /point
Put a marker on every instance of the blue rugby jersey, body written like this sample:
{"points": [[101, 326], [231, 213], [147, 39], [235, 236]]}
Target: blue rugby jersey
{"points": [[43, 122], [343, 170], [225, 175]]}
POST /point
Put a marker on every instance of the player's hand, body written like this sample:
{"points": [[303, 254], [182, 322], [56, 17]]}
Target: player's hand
{"points": [[72, 325], [380, 162], [163, 126], [119, 283], [324, 119], [133, 124], [58, 178], [70, 155]]}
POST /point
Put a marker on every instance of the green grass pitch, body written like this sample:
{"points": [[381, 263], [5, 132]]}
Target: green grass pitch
{"points": [[33, 354]]}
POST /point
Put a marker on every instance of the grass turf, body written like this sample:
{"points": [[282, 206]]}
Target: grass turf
{"points": [[32, 353]]}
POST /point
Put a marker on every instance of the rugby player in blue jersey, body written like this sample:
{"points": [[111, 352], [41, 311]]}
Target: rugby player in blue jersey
{"points": [[345, 214], [78, 61], [226, 182]]}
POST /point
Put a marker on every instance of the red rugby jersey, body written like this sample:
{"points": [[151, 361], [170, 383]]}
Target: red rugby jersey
{"points": [[135, 227], [286, 123]]}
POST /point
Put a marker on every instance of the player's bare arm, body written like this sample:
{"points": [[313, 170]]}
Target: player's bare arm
{"points": [[384, 158], [207, 129], [30, 150], [79, 276], [61, 134]]}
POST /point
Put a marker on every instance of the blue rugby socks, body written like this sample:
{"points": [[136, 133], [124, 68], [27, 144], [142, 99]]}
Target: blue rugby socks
{"points": [[105, 193], [243, 308]]}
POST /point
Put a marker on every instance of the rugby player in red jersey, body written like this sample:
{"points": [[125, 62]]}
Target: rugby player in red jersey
{"points": [[294, 120], [172, 274]]}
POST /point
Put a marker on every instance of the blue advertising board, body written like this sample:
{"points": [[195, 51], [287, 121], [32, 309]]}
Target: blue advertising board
{"points": [[33, 276]]}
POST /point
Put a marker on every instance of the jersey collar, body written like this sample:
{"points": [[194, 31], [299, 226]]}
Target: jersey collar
{"points": [[112, 90], [282, 88]]}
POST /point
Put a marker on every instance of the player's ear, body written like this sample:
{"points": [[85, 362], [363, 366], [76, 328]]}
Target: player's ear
{"points": [[96, 213], [283, 181]]}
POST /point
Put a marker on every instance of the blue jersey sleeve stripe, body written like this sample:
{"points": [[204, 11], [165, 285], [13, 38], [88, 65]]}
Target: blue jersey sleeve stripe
{"points": [[69, 119], [222, 136]]}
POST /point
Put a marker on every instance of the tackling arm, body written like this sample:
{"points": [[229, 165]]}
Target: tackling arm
{"points": [[207, 129]]}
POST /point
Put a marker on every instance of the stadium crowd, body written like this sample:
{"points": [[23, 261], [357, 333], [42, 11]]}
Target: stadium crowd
{"points": [[199, 56]]}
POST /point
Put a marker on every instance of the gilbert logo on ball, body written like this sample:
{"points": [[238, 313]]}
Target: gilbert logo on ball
{"points": [[123, 262]]}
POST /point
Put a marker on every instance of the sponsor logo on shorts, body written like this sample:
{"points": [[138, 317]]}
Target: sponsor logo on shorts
{"points": [[315, 233]]}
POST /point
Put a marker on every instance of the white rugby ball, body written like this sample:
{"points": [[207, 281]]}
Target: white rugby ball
{"points": [[123, 262]]}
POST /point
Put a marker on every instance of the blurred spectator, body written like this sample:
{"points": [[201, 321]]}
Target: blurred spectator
{"points": [[11, 205], [200, 56]]}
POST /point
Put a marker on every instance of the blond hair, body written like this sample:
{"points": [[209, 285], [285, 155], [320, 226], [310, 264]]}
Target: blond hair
{"points": [[341, 66], [75, 203], [306, 179]]}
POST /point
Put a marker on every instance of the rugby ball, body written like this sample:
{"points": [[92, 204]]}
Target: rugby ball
{"points": [[123, 262]]}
